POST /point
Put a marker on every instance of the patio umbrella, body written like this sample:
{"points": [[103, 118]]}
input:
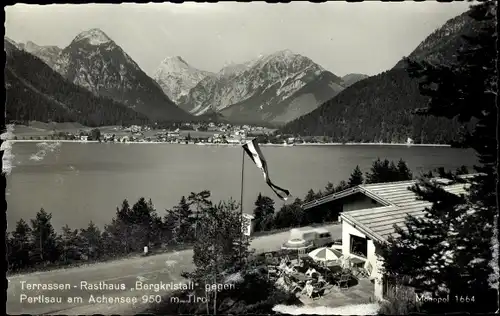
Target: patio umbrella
{"points": [[297, 244], [325, 254]]}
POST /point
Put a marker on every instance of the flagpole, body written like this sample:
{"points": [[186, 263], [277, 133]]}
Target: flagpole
{"points": [[241, 202], [242, 182]]}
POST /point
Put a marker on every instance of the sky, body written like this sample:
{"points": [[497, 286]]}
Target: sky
{"points": [[368, 37]]}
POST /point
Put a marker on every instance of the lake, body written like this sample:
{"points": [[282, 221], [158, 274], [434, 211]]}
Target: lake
{"points": [[79, 182]]}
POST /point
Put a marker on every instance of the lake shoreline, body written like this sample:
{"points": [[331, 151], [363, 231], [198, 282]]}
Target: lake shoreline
{"points": [[92, 180], [229, 145]]}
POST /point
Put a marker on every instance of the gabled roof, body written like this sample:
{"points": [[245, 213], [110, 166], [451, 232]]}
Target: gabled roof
{"points": [[387, 194], [378, 223]]}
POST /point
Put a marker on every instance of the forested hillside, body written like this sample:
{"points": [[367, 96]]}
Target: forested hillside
{"points": [[379, 108], [382, 108], [35, 92]]}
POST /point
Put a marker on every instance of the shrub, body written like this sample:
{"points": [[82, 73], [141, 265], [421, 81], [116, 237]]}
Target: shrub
{"points": [[399, 300], [255, 294]]}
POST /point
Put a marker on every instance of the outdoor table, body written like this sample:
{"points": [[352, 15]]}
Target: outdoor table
{"points": [[335, 269], [357, 261], [301, 277], [356, 271]]}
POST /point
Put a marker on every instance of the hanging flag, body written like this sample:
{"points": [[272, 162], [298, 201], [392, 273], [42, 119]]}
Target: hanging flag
{"points": [[253, 150]]}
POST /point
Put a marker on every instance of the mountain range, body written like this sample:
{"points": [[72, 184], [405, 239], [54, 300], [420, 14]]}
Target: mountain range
{"points": [[95, 62], [34, 91], [283, 88], [381, 108], [273, 88], [176, 77]]}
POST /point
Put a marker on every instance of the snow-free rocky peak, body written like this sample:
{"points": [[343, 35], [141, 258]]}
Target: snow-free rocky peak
{"points": [[96, 62], [176, 77], [262, 83], [231, 69], [31, 47], [174, 63], [48, 54], [93, 37]]}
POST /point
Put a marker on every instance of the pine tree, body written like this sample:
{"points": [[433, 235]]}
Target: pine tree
{"points": [[70, 244], [263, 212], [330, 188], [123, 213], [356, 177], [120, 228], [109, 245], [199, 201], [462, 170], [423, 239], [310, 196], [220, 247], [156, 237], [290, 215], [183, 217], [155, 226], [168, 227], [319, 195], [466, 90], [404, 171], [20, 246], [44, 238], [91, 241], [341, 186], [140, 221], [386, 171]]}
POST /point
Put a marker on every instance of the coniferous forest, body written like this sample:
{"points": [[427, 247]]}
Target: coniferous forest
{"points": [[385, 107], [36, 92], [35, 244], [378, 109], [453, 250]]}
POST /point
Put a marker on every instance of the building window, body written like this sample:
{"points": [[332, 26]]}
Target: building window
{"points": [[359, 246]]}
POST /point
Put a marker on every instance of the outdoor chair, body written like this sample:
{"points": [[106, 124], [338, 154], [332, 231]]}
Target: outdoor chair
{"points": [[357, 272], [310, 273], [321, 280], [301, 254], [270, 259], [295, 287], [268, 256], [308, 261], [343, 282], [332, 278], [367, 270], [273, 271], [301, 269], [280, 282], [319, 292], [335, 269], [309, 290]]}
